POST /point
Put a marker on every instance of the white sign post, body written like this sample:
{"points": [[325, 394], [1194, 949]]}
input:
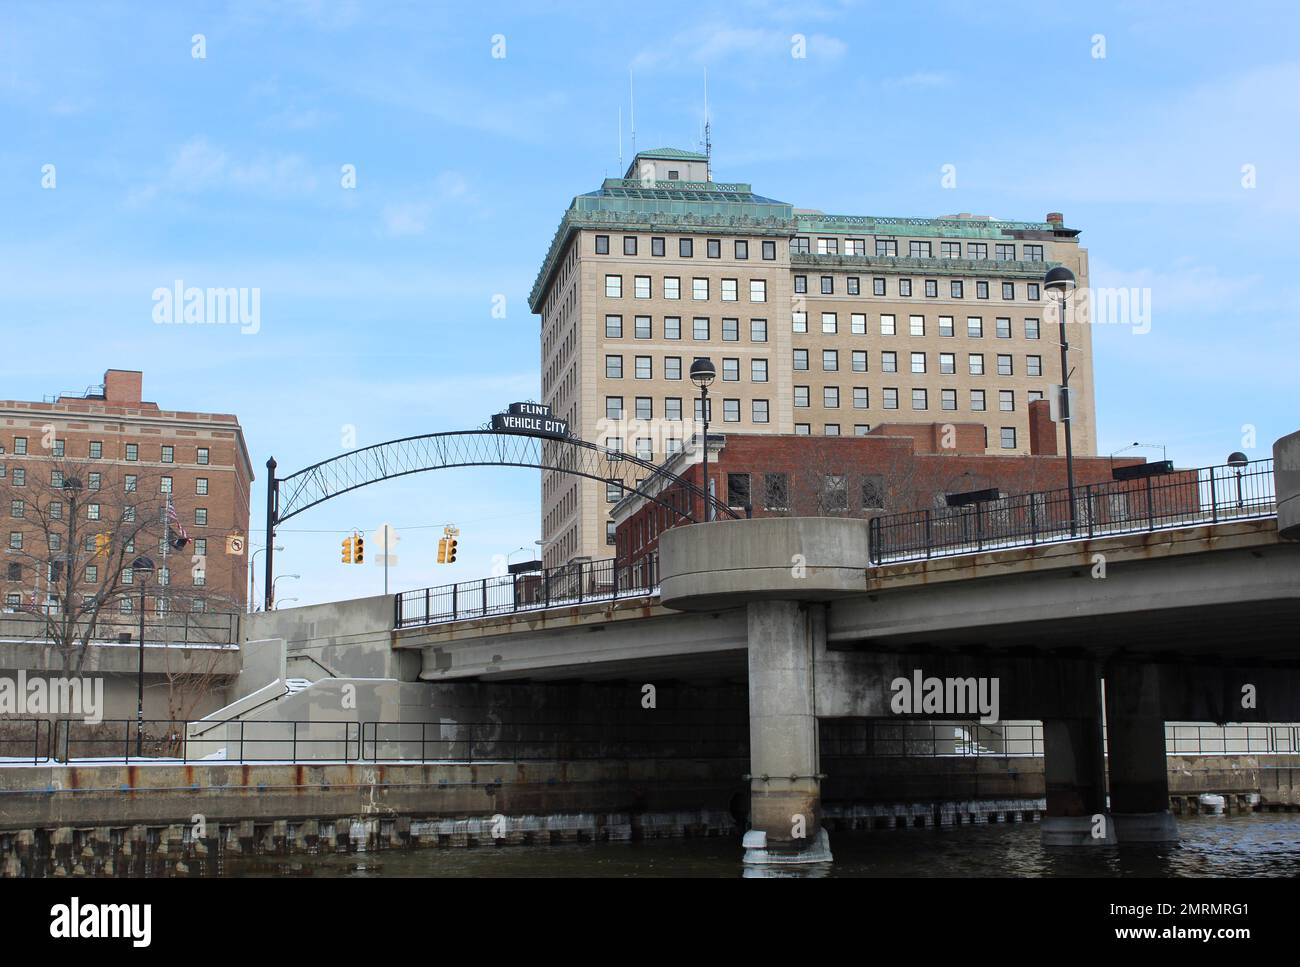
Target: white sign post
{"points": [[386, 537]]}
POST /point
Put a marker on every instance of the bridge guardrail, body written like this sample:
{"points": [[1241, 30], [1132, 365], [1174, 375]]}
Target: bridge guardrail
{"points": [[1179, 498]]}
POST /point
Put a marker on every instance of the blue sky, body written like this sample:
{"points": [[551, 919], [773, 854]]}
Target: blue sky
{"points": [[376, 301]]}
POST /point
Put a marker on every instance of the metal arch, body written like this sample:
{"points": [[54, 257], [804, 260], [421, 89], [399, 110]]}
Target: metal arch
{"points": [[289, 496]]}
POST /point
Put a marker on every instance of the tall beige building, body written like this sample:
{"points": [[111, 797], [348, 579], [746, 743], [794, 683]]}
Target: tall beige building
{"points": [[819, 324]]}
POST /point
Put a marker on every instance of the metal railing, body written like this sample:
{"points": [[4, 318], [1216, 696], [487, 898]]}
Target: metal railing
{"points": [[872, 739], [1267, 739], [238, 740], [26, 740], [200, 628], [568, 584], [1177, 499]]}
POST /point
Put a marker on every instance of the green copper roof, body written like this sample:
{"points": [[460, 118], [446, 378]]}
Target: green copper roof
{"points": [[672, 154]]}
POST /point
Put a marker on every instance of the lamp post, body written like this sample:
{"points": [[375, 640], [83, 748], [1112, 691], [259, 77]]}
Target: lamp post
{"points": [[1237, 460], [703, 373], [252, 574], [1060, 280], [141, 567], [269, 606]]}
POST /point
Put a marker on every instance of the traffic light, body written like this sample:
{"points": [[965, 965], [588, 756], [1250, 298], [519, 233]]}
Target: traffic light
{"points": [[442, 550], [451, 550], [102, 543], [347, 550], [359, 552]]}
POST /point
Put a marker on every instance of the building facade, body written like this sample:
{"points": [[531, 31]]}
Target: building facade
{"points": [[823, 325], [86, 482]]}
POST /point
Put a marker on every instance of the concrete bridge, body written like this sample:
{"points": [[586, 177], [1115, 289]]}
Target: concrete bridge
{"points": [[1184, 623]]}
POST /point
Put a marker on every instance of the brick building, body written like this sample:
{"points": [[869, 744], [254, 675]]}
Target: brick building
{"points": [[894, 468], [85, 482]]}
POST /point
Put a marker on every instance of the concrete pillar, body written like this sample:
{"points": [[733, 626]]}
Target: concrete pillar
{"points": [[1074, 769], [785, 791], [1138, 770]]}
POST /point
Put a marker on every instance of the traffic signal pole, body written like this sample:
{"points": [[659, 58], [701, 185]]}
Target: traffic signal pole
{"points": [[272, 504]]}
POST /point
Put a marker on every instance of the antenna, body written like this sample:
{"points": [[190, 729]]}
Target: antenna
{"points": [[632, 97], [708, 132], [620, 139]]}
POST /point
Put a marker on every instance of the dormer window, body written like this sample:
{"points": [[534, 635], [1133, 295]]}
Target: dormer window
{"points": [[672, 174]]}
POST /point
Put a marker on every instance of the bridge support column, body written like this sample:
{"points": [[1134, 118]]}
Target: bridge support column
{"points": [[1074, 768], [1138, 769], [785, 785]]}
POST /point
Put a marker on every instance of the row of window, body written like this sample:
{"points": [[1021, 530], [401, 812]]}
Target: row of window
{"points": [[95, 451], [728, 289], [803, 245], [94, 481], [686, 247], [643, 366], [917, 325], [55, 542], [54, 510], [904, 288], [125, 605]]}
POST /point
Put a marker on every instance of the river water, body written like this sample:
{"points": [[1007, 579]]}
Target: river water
{"points": [[1230, 846]]}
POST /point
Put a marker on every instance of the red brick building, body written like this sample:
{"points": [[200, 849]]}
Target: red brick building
{"points": [[894, 468], [77, 469]]}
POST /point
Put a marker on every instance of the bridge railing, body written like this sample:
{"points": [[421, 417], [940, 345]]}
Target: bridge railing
{"points": [[1176, 499], [569, 584]]}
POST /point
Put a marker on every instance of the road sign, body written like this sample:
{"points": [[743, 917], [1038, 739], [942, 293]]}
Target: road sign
{"points": [[235, 545]]}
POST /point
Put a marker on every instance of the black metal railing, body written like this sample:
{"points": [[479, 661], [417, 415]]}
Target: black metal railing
{"points": [[568, 584], [1264, 739], [240, 740], [872, 739], [198, 628], [1179, 498], [26, 740]]}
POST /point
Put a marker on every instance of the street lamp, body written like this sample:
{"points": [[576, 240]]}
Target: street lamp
{"points": [[252, 574], [1060, 280], [281, 578], [141, 567], [1237, 460], [281, 601], [703, 373]]}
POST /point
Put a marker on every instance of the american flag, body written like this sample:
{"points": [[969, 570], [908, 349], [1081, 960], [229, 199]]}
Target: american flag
{"points": [[174, 524]]}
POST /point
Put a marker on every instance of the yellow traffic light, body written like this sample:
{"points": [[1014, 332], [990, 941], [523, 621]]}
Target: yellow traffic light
{"points": [[359, 552], [103, 543], [442, 550], [451, 550], [347, 550]]}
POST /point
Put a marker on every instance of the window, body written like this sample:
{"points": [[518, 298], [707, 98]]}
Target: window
{"points": [[800, 360], [955, 288], [1004, 364], [685, 248], [918, 362], [828, 246], [641, 327], [672, 445], [760, 411], [1033, 253], [201, 546], [945, 326], [932, 288], [948, 399], [799, 322], [890, 399], [20, 477], [877, 286], [613, 367], [886, 246], [657, 246], [700, 327], [919, 399], [947, 363], [853, 285], [757, 290], [800, 246], [800, 284], [16, 543], [861, 398], [673, 408], [700, 289], [776, 491], [731, 330], [916, 325], [828, 285], [758, 370], [905, 288], [769, 251], [92, 512], [729, 293], [975, 362], [713, 248], [20, 445], [59, 447], [1034, 365], [977, 400], [858, 323], [801, 397], [831, 429], [672, 367], [201, 516], [738, 490], [831, 397], [873, 492], [887, 325], [1006, 252], [981, 290], [1003, 328], [758, 330], [613, 492], [950, 250], [855, 246], [614, 407], [133, 453], [889, 362], [602, 244], [1031, 328], [643, 368], [1032, 291], [802, 429], [1008, 290], [975, 327], [641, 287], [613, 327], [201, 458], [918, 250], [835, 490], [128, 514], [731, 411], [672, 287], [859, 360], [201, 486], [1008, 438], [96, 449], [1006, 400], [730, 370], [1035, 395], [672, 327], [17, 508], [977, 250], [644, 448], [614, 286], [629, 245], [830, 360], [56, 510], [830, 323], [742, 249], [165, 485]]}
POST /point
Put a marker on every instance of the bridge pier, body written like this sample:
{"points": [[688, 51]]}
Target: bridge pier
{"points": [[1074, 768], [785, 780], [1139, 776]]}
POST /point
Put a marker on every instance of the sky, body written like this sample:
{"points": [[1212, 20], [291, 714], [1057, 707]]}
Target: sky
{"points": [[383, 175]]}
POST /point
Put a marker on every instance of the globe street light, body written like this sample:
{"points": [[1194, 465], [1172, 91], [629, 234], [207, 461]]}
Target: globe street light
{"points": [[1060, 281], [141, 567], [703, 373], [1237, 460]]}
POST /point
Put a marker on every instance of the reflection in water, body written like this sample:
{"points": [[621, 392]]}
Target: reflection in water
{"points": [[1249, 845]]}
